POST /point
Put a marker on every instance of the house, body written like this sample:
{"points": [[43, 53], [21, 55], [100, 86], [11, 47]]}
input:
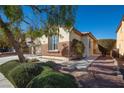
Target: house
{"points": [[60, 46], [120, 38]]}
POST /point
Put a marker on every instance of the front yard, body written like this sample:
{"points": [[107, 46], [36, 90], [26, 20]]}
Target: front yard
{"points": [[36, 74], [19, 76]]}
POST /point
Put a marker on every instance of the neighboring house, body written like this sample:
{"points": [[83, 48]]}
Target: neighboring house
{"points": [[60, 45], [120, 38]]}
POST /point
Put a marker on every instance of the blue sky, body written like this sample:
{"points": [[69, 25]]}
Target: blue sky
{"points": [[102, 21]]}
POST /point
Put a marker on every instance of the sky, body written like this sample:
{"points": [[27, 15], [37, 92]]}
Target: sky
{"points": [[102, 21]]}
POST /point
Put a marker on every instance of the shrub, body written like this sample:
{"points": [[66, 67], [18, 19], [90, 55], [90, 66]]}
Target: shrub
{"points": [[34, 60], [106, 45], [52, 65], [21, 75], [77, 47], [8, 66], [52, 79]]}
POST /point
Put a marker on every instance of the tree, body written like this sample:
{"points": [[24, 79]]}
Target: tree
{"points": [[106, 45], [56, 16], [33, 34], [4, 44], [14, 15]]}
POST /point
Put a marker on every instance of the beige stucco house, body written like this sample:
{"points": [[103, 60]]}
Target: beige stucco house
{"points": [[120, 38], [59, 46]]}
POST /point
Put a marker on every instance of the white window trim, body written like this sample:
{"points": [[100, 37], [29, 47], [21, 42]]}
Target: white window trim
{"points": [[53, 50]]}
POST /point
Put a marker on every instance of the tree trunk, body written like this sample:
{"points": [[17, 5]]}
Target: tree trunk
{"points": [[12, 40]]}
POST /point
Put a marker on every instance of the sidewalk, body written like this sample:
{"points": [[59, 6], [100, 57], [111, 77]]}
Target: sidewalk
{"points": [[4, 83]]}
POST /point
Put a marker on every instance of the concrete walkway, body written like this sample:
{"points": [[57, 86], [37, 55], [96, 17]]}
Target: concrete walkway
{"points": [[5, 83], [13, 57], [80, 64]]}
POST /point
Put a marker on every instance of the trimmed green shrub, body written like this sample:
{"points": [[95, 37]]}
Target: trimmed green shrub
{"points": [[52, 79], [106, 45], [51, 64], [78, 47], [8, 66], [34, 60], [21, 75]]}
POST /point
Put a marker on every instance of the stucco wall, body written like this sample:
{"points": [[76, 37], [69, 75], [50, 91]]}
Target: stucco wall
{"points": [[63, 36], [120, 39], [65, 40], [62, 46], [73, 35], [89, 49], [85, 40], [91, 46]]}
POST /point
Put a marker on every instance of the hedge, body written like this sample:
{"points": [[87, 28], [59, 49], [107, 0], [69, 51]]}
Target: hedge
{"points": [[21, 75], [52, 79], [8, 66]]}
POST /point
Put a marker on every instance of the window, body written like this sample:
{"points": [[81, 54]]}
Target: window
{"points": [[53, 42]]}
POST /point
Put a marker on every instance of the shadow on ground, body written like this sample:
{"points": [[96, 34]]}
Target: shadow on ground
{"points": [[101, 74]]}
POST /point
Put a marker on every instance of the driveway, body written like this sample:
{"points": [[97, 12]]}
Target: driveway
{"points": [[13, 57], [102, 73]]}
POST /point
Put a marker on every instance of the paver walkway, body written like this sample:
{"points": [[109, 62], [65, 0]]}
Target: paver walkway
{"points": [[80, 64], [102, 74]]}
